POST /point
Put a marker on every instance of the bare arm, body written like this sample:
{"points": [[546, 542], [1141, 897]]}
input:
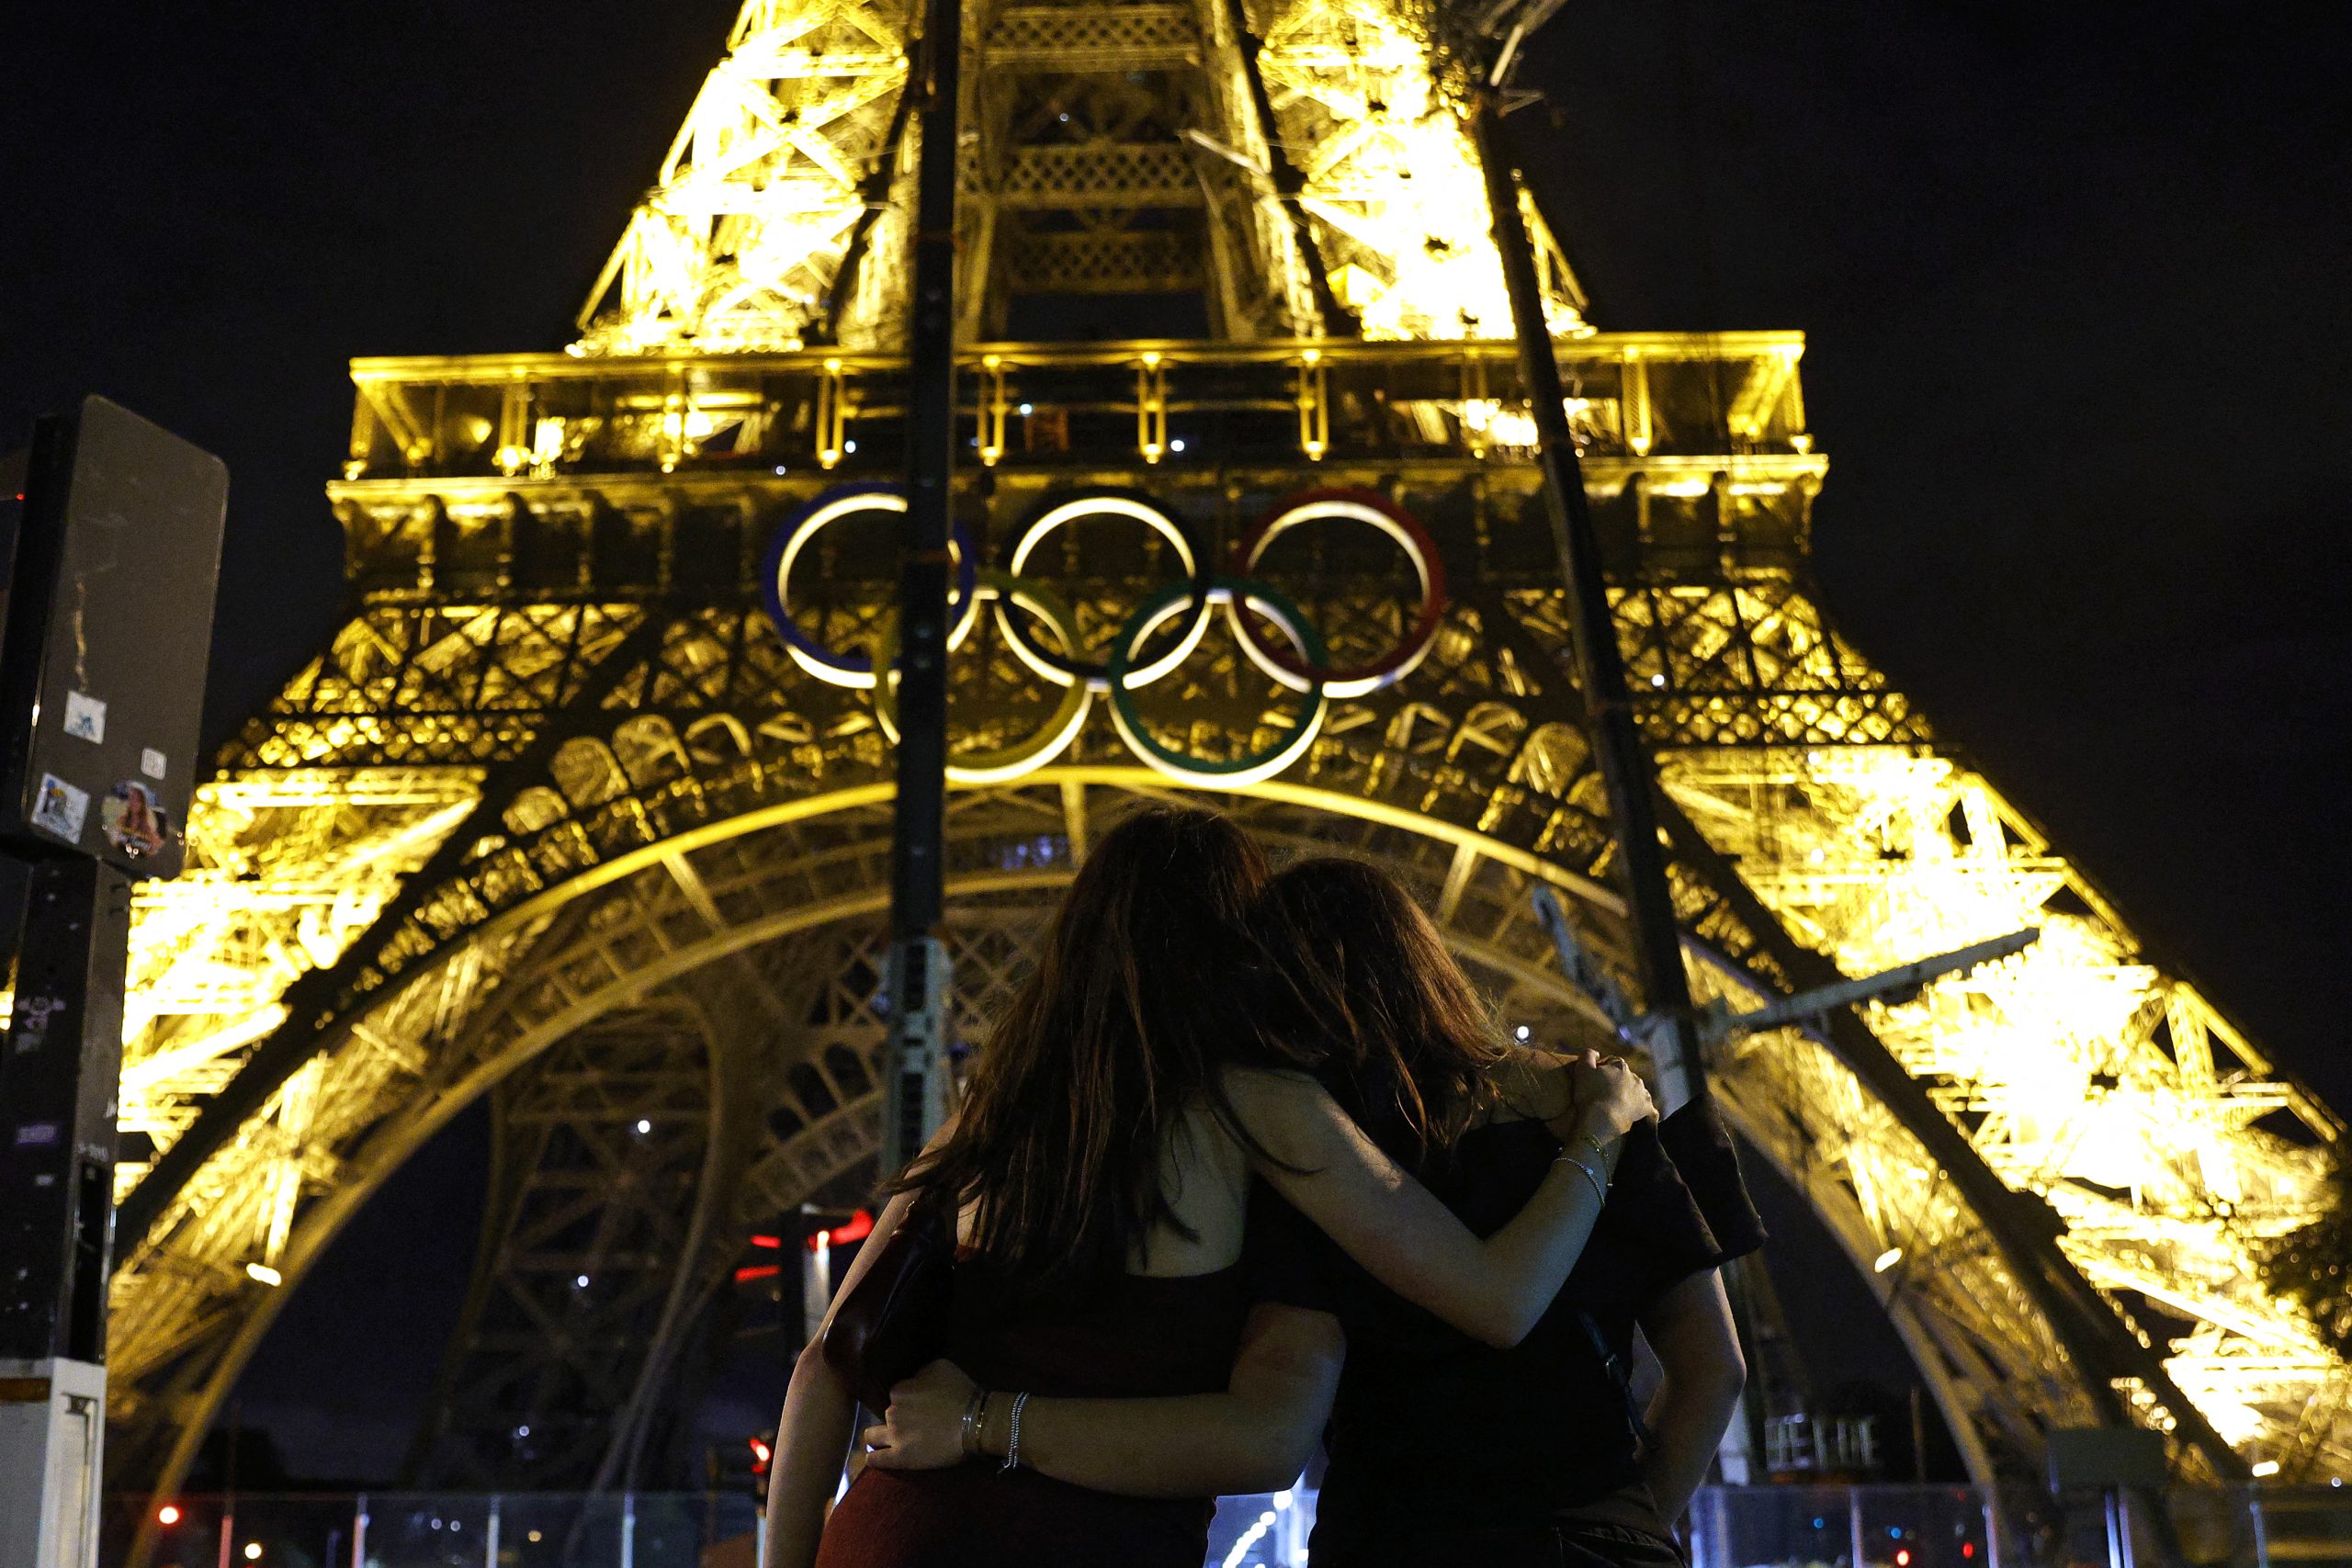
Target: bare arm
{"points": [[1492, 1289], [812, 1438], [1691, 1329], [1255, 1437]]}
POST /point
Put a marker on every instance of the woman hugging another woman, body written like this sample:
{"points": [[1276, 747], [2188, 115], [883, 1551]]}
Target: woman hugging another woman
{"points": [[1444, 1447], [1118, 1171]]}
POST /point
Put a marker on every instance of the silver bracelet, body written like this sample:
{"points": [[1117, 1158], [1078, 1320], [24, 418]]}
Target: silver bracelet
{"points": [[1599, 1188], [975, 1413], [1013, 1443]]}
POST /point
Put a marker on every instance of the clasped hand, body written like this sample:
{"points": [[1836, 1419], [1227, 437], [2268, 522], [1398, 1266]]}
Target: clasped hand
{"points": [[923, 1428]]}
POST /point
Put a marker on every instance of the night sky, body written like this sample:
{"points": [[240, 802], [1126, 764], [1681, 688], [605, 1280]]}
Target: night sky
{"points": [[2074, 277]]}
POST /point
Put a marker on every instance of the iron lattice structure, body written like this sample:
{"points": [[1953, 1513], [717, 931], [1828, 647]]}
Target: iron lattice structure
{"points": [[556, 820]]}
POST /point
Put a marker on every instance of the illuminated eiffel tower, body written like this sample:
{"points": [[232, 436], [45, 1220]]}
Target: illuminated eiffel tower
{"points": [[563, 817]]}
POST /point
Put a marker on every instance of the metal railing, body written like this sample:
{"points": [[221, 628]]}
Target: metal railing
{"points": [[1729, 1527], [513, 417]]}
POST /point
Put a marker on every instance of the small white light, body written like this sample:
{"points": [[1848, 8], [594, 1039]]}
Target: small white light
{"points": [[1025, 409], [522, 1431], [779, 467], [252, 1552], [582, 1282], [1523, 1032], [1888, 1259], [1657, 680], [264, 1273], [534, 1538], [643, 1126], [849, 446], [2267, 1467], [1177, 444]]}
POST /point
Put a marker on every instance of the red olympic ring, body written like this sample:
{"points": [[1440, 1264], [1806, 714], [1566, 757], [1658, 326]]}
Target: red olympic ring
{"points": [[1365, 507]]}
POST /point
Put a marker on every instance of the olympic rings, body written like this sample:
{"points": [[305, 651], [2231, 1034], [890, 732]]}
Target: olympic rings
{"points": [[1235, 593], [1362, 506], [851, 669], [1302, 668], [1051, 737], [1062, 670]]}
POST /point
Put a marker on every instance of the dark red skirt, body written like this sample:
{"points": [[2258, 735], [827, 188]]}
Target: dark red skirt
{"points": [[974, 1516]]}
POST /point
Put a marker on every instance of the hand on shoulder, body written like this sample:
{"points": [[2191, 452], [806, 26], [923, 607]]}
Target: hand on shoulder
{"points": [[1608, 1099]]}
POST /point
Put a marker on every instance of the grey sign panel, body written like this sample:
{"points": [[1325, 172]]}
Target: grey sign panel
{"points": [[110, 624]]}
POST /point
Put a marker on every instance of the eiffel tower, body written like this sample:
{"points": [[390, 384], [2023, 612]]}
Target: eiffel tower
{"points": [[563, 817]]}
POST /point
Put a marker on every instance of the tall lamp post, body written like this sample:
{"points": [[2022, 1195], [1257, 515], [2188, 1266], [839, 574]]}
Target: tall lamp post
{"points": [[915, 1092]]}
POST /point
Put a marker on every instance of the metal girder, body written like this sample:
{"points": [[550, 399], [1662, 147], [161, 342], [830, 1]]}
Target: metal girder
{"points": [[1092, 38], [738, 245], [1098, 174]]}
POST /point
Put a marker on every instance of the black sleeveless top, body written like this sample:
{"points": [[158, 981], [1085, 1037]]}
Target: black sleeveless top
{"points": [[1433, 1432]]}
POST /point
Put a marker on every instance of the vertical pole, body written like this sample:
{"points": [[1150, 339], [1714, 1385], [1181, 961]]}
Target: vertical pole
{"points": [[489, 1546], [2261, 1528], [1993, 1532], [628, 1529], [916, 1101], [1625, 767], [1854, 1524], [359, 1531]]}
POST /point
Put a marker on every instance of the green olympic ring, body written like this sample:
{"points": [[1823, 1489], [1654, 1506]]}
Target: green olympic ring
{"points": [[1236, 594], [1001, 764]]}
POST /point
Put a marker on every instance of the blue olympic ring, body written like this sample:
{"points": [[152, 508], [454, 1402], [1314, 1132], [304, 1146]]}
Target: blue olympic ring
{"points": [[856, 671]]}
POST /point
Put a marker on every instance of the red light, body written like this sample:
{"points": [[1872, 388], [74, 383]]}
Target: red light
{"points": [[770, 1241], [757, 1272], [761, 1454], [169, 1514], [1903, 1558], [1968, 1549], [860, 1226]]}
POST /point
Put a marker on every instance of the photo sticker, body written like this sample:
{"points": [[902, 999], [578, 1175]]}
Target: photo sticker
{"points": [[60, 808], [133, 820], [86, 718], [152, 762]]}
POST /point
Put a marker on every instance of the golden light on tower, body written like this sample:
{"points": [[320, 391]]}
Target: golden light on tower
{"points": [[561, 704]]}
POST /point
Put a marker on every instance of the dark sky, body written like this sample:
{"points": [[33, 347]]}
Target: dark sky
{"points": [[2075, 280]]}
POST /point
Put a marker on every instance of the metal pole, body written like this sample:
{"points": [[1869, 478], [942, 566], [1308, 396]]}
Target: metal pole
{"points": [[1625, 767], [917, 1100]]}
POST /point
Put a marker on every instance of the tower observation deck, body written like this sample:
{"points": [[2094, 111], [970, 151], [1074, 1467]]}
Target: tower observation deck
{"points": [[585, 808]]}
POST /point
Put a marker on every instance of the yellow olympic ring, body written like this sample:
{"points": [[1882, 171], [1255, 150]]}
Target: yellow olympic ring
{"points": [[1001, 763]]}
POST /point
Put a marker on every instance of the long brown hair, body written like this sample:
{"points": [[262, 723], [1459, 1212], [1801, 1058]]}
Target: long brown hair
{"points": [[1148, 982], [1405, 1044]]}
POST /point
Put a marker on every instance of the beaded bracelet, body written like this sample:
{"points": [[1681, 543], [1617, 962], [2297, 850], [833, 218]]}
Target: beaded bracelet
{"points": [[1013, 1443]]}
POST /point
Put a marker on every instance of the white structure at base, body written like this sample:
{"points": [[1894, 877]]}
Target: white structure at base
{"points": [[53, 1440]]}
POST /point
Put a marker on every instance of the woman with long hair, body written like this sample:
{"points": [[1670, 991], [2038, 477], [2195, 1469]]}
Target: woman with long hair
{"points": [[1444, 1449], [1100, 1168]]}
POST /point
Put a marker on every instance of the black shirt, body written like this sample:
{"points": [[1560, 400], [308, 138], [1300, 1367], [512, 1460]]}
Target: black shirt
{"points": [[1430, 1425]]}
